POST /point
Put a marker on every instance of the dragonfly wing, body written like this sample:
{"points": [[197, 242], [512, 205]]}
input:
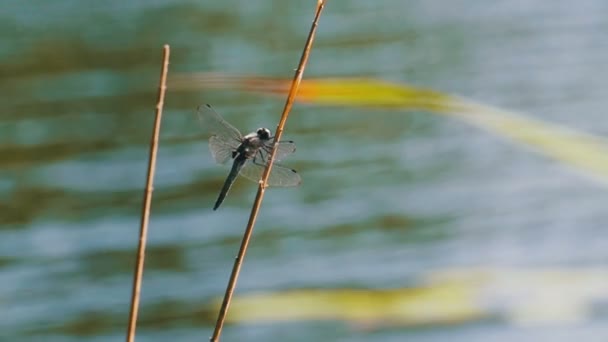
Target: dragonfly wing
{"points": [[285, 148], [216, 125], [220, 149], [224, 137], [280, 176]]}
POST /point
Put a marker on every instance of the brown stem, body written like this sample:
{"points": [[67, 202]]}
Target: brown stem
{"points": [[145, 212], [263, 182]]}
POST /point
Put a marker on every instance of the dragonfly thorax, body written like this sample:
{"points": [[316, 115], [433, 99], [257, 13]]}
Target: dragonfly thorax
{"points": [[252, 142], [248, 149]]}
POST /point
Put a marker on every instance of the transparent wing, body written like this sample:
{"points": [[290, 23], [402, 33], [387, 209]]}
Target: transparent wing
{"points": [[286, 147], [224, 137], [280, 176], [221, 150]]}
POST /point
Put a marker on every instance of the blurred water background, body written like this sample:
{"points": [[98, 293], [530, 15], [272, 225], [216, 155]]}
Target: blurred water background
{"points": [[387, 198]]}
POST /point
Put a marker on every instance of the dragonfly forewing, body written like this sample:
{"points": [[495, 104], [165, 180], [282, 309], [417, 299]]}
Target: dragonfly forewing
{"points": [[224, 138], [285, 149]]}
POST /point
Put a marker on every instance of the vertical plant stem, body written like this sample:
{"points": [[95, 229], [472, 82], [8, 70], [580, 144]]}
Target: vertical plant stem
{"points": [[145, 212], [263, 182]]}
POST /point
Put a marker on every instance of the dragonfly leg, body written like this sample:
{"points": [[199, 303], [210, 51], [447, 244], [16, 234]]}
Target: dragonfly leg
{"points": [[261, 156], [256, 161]]}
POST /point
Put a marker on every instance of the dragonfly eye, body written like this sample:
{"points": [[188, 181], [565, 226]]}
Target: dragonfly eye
{"points": [[263, 133]]}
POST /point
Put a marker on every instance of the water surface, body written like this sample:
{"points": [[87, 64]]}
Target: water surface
{"points": [[387, 197]]}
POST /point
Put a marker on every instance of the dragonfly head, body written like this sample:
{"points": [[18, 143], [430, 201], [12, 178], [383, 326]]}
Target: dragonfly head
{"points": [[263, 133]]}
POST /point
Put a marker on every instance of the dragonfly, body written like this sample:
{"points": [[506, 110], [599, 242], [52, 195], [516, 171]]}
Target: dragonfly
{"points": [[249, 153]]}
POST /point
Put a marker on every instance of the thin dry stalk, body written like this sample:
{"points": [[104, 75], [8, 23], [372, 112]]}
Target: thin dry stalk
{"points": [[263, 182], [145, 212]]}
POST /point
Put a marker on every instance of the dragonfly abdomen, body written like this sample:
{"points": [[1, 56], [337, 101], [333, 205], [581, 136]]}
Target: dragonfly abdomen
{"points": [[236, 168]]}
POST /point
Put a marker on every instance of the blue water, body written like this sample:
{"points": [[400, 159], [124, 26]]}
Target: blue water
{"points": [[387, 197]]}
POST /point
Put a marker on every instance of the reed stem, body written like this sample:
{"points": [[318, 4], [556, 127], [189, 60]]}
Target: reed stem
{"points": [[145, 212]]}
